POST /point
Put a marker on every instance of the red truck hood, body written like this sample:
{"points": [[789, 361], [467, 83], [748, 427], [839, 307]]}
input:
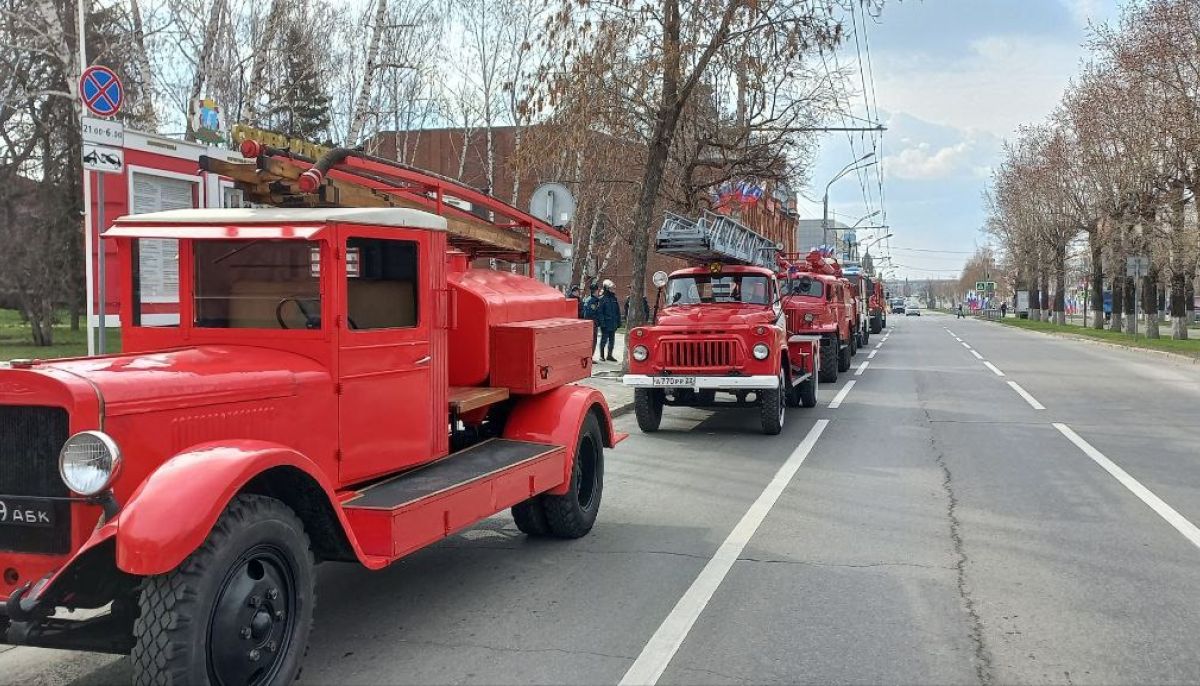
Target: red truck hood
{"points": [[724, 316], [189, 377]]}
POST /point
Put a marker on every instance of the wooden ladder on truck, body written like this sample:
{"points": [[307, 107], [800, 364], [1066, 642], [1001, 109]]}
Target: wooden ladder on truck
{"points": [[476, 223]]}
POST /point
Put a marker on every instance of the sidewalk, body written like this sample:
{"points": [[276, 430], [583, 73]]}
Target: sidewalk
{"points": [[606, 378]]}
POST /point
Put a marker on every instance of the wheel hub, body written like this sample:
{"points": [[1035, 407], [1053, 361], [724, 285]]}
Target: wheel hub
{"points": [[251, 623]]}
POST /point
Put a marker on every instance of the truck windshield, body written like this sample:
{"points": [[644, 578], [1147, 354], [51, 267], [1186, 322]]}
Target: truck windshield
{"points": [[268, 284], [721, 288], [806, 286]]}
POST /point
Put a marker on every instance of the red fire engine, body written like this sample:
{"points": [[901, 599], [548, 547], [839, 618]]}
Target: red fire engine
{"points": [[720, 330], [333, 381], [819, 302]]}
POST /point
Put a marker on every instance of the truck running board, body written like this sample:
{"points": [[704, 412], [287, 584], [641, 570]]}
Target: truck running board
{"points": [[411, 510]]}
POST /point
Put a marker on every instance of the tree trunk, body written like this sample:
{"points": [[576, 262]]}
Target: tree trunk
{"points": [[211, 32], [1097, 279], [1044, 289], [1131, 322], [1178, 311], [1118, 304], [362, 102], [1189, 299], [149, 117], [73, 308], [1060, 285], [266, 44], [1150, 302], [1035, 297]]}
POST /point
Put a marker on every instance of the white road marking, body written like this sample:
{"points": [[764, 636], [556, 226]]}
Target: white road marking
{"points": [[872, 355], [965, 345], [861, 368], [992, 367], [879, 345], [1183, 526], [950, 332], [1028, 398], [841, 395], [977, 355], [658, 652]]}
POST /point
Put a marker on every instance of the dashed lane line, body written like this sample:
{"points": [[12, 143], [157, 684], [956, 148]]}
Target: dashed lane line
{"points": [[658, 652], [965, 345], [1182, 525], [861, 368], [977, 355], [872, 355], [841, 395], [1025, 394], [993, 367]]}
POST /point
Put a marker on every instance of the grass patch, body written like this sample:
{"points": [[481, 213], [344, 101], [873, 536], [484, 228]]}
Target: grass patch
{"points": [[1190, 347], [16, 341]]}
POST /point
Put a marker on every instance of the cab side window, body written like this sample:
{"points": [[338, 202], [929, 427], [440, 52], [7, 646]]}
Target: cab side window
{"points": [[381, 284]]}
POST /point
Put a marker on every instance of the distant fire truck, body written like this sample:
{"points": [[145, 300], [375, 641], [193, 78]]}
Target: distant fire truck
{"points": [[719, 329], [331, 381], [819, 303]]}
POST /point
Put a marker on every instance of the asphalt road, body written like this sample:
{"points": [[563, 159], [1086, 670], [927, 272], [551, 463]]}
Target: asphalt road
{"points": [[933, 527]]}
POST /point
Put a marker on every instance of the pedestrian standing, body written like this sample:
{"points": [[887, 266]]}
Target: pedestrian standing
{"points": [[573, 294], [591, 305], [1003, 309], [960, 311], [608, 319]]}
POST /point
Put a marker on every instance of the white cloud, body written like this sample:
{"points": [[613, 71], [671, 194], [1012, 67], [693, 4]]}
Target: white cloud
{"points": [[923, 162]]}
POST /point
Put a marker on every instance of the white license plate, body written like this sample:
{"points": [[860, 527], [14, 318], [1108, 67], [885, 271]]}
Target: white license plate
{"points": [[674, 381]]}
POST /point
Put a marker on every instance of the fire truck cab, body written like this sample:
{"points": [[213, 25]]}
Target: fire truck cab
{"points": [[326, 383]]}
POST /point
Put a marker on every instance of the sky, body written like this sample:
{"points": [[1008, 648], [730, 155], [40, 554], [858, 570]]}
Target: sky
{"points": [[953, 79]]}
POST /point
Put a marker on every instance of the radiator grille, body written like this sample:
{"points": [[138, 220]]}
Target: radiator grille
{"points": [[30, 438], [699, 354]]}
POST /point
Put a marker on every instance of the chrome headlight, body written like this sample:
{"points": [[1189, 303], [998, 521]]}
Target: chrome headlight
{"points": [[808, 317], [88, 462], [761, 351], [640, 353]]}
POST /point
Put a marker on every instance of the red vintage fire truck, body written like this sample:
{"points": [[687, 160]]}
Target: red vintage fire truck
{"points": [[719, 329], [819, 303], [331, 381]]}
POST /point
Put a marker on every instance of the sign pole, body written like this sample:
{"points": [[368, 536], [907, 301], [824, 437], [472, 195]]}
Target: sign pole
{"points": [[81, 32], [100, 264]]}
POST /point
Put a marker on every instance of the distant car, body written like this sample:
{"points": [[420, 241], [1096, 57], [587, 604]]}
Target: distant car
{"points": [[912, 311], [897, 307]]}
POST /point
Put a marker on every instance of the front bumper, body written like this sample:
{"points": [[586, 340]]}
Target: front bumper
{"points": [[716, 383]]}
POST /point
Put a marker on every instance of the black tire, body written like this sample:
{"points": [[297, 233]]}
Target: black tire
{"points": [[853, 344], [572, 515], [806, 391], [843, 358], [876, 324], [792, 395], [772, 407], [237, 610], [530, 517], [648, 406], [885, 322], [829, 360]]}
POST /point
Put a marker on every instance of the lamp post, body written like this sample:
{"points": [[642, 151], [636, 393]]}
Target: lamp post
{"points": [[853, 166]]}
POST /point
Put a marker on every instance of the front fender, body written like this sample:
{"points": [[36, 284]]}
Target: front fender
{"points": [[556, 417], [173, 510]]}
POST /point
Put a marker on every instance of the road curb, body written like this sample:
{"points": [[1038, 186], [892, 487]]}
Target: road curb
{"points": [[1148, 352], [622, 409]]}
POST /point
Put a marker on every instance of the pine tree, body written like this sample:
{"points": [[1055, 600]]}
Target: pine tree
{"points": [[300, 105]]}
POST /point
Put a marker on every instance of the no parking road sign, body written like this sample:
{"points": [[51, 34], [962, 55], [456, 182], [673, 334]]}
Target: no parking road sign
{"points": [[101, 91]]}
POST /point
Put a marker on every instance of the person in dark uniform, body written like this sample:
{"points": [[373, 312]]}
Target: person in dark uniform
{"points": [[608, 320]]}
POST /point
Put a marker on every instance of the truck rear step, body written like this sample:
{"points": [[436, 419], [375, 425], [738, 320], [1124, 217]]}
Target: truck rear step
{"points": [[399, 515]]}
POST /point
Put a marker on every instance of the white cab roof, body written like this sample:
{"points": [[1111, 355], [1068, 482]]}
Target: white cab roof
{"points": [[379, 216]]}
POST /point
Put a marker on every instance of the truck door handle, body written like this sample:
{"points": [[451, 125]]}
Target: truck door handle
{"points": [[424, 360]]}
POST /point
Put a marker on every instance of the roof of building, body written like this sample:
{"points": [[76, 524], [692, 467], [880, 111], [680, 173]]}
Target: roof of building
{"points": [[378, 216]]}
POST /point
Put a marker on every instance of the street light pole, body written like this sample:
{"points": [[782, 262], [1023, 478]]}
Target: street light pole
{"points": [[825, 200]]}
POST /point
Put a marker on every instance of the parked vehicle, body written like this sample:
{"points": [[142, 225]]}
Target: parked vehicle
{"points": [[912, 311], [817, 304], [897, 306], [718, 338], [332, 383]]}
